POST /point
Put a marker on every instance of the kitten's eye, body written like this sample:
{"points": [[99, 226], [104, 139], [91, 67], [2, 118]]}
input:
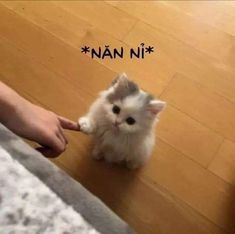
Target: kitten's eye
{"points": [[130, 120], [116, 109]]}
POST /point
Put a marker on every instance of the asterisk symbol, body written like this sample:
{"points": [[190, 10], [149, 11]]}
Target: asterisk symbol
{"points": [[85, 49], [149, 49]]}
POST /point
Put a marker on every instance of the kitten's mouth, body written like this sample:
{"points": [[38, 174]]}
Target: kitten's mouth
{"points": [[116, 126]]}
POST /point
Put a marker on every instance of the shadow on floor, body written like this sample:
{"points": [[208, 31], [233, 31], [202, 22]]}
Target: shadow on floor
{"points": [[111, 183]]}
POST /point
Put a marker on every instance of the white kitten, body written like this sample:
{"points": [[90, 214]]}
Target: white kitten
{"points": [[122, 121]]}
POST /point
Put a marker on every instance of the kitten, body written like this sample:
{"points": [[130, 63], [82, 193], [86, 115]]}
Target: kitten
{"points": [[122, 121]]}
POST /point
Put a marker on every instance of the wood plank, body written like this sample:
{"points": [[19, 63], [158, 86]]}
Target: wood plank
{"points": [[208, 39], [151, 73], [52, 18], [154, 80], [199, 102], [100, 14], [21, 92], [223, 164], [188, 61], [50, 51], [219, 14], [187, 135], [34, 79], [205, 192], [113, 3]]}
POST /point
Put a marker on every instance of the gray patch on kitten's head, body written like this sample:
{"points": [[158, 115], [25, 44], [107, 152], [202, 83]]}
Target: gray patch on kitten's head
{"points": [[123, 87]]}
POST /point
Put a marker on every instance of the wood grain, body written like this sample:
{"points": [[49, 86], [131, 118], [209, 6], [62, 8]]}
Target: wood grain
{"points": [[210, 72], [197, 101], [223, 164], [188, 136], [209, 40], [219, 15]]}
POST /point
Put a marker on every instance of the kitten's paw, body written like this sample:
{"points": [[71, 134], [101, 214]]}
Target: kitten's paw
{"points": [[85, 125]]}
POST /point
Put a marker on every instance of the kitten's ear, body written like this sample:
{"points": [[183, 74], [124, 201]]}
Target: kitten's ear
{"points": [[155, 107], [121, 79]]}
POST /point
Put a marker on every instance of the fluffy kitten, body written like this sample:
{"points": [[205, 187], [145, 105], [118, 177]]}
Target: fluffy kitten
{"points": [[122, 121]]}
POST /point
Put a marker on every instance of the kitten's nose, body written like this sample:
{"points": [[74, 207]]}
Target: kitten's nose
{"points": [[117, 123]]}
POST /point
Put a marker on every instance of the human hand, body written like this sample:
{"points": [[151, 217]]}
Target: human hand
{"points": [[42, 126]]}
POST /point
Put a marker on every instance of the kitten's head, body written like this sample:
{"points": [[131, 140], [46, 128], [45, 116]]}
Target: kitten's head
{"points": [[130, 109]]}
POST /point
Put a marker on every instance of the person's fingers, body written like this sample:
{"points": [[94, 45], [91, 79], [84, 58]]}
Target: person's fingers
{"points": [[68, 124], [47, 152], [61, 135], [61, 138], [56, 144]]}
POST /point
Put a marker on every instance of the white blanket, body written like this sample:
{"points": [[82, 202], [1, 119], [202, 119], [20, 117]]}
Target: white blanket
{"points": [[27, 206]]}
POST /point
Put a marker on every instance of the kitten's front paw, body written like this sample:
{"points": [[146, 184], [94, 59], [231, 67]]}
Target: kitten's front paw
{"points": [[85, 125]]}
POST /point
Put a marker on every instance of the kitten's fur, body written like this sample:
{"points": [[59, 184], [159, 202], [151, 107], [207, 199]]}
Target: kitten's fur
{"points": [[115, 139]]}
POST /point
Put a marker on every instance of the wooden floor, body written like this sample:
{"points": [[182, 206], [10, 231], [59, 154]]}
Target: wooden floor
{"points": [[188, 185]]}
